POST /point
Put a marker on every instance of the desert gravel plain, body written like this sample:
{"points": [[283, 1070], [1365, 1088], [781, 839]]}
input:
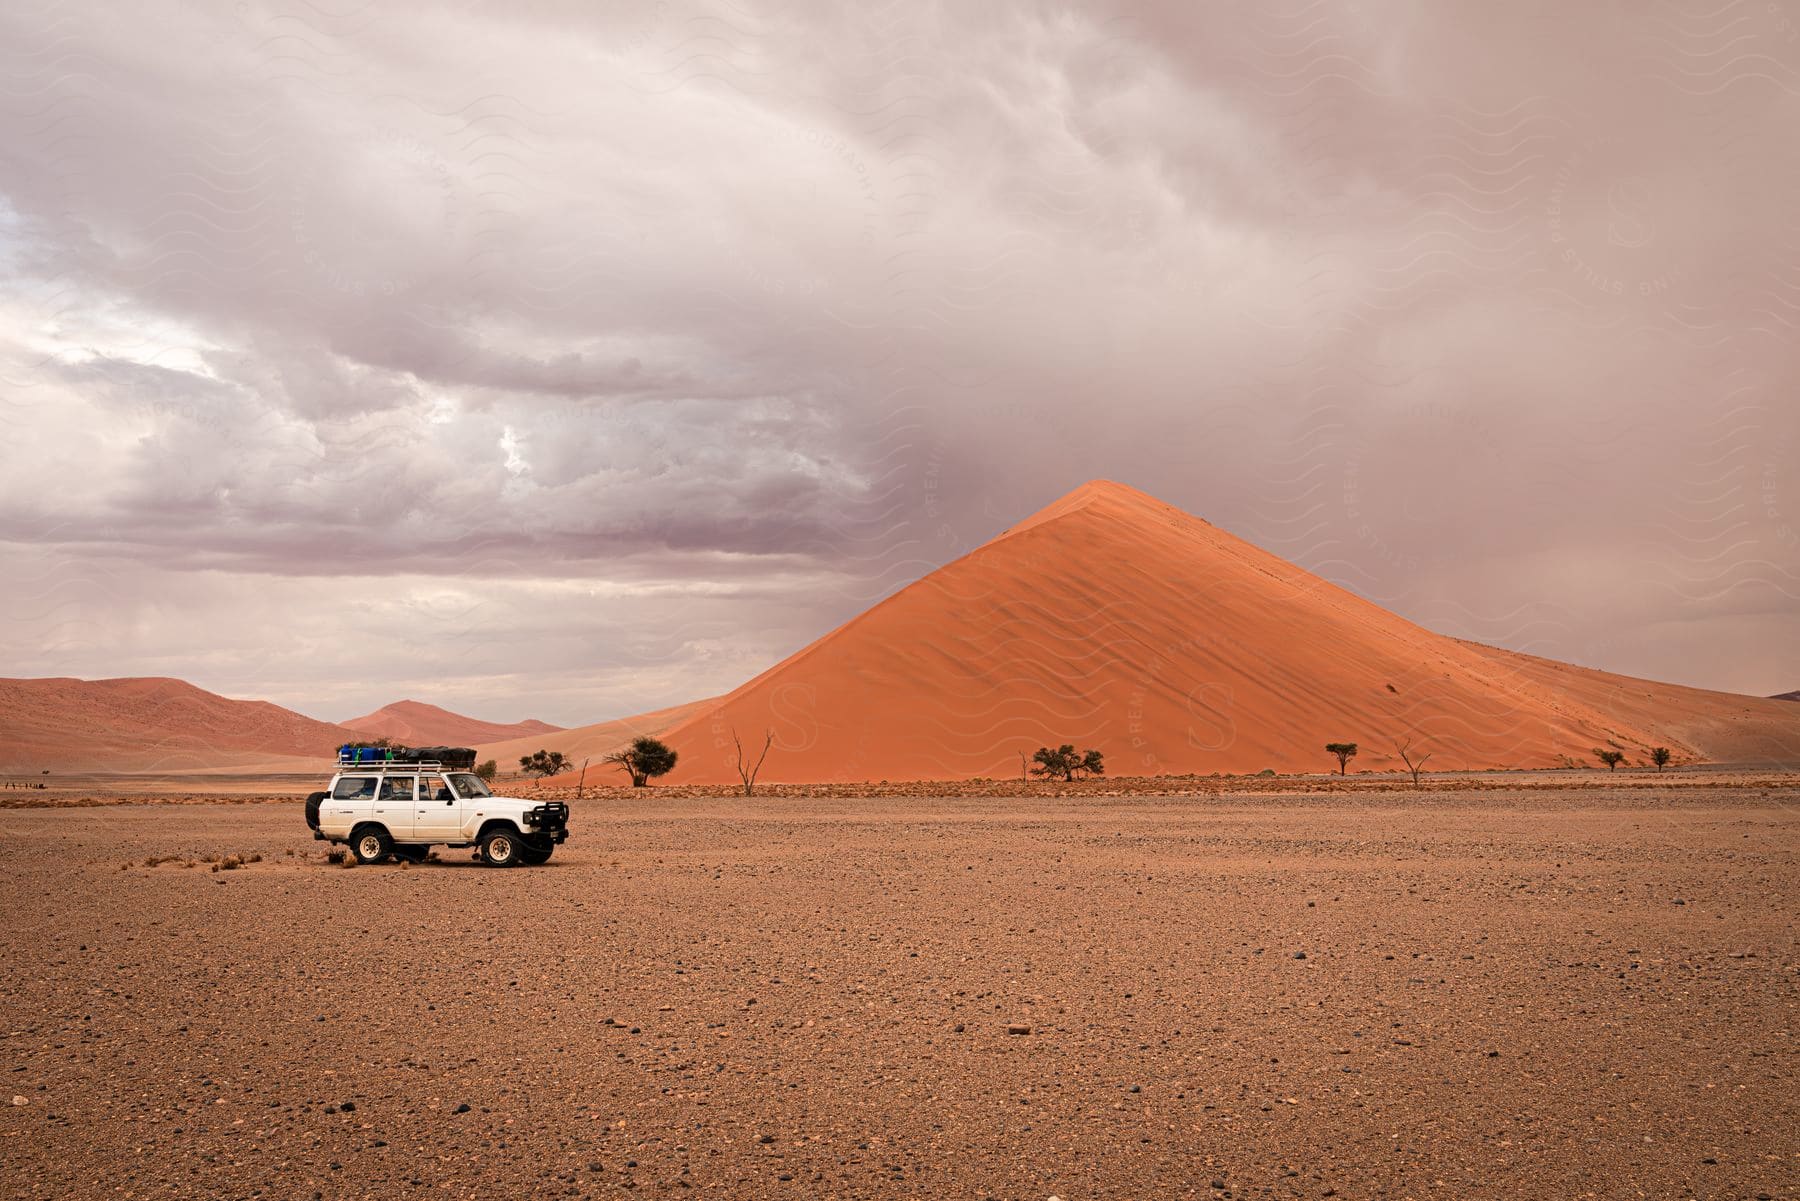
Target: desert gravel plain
{"points": [[1580, 990]]}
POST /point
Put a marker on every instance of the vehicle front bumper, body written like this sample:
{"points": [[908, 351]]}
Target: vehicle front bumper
{"points": [[549, 821]]}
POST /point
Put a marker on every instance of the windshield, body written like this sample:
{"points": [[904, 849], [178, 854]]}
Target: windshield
{"points": [[468, 785]]}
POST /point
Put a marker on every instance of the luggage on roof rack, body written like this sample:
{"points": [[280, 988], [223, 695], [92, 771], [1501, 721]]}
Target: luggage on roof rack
{"points": [[359, 755], [450, 758]]}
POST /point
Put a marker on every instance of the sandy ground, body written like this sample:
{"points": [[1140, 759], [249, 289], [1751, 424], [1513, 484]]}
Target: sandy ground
{"points": [[1533, 994]]}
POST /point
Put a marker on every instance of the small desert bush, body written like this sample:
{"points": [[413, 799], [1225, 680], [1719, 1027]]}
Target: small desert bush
{"points": [[335, 856]]}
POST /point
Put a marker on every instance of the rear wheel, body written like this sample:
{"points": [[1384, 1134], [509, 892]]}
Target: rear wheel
{"points": [[370, 844], [500, 847]]}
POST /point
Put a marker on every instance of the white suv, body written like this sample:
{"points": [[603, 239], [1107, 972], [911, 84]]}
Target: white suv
{"points": [[403, 809]]}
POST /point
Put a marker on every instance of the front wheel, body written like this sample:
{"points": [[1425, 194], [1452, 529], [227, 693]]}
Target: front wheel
{"points": [[532, 857], [371, 844], [500, 848]]}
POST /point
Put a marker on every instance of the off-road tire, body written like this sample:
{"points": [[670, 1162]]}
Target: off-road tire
{"points": [[533, 857], [501, 847], [371, 844], [312, 808]]}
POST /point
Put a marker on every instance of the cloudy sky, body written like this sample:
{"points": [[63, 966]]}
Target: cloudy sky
{"points": [[567, 360]]}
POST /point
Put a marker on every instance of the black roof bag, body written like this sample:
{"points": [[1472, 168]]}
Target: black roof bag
{"points": [[455, 758]]}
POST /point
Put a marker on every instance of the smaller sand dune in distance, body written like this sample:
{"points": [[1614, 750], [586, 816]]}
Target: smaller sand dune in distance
{"points": [[414, 723]]}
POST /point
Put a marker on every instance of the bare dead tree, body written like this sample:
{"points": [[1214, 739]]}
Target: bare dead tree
{"points": [[748, 773], [1023, 774], [1412, 765], [582, 781]]}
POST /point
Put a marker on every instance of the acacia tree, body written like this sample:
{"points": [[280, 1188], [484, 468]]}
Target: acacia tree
{"points": [[1065, 761], [745, 769], [1415, 766], [488, 770], [544, 763], [644, 760], [1612, 759], [1344, 751], [1660, 756]]}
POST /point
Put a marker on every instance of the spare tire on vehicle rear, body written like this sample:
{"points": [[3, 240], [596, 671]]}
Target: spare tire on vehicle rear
{"points": [[312, 808]]}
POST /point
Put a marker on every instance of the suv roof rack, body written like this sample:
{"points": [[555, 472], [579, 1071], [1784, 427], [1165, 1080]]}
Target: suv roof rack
{"points": [[394, 765]]}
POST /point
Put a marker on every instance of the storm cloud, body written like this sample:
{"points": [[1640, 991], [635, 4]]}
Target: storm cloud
{"points": [[548, 360]]}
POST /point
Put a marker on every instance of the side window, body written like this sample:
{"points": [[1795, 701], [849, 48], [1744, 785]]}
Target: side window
{"points": [[354, 788], [397, 788], [433, 788]]}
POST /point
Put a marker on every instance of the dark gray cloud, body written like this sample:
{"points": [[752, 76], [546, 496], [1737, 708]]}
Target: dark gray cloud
{"points": [[634, 347]]}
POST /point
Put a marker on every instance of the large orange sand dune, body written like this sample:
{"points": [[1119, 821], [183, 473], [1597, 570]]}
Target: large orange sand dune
{"points": [[1112, 620]]}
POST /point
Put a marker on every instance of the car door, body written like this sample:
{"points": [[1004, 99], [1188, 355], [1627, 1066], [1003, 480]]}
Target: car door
{"points": [[437, 814], [350, 802], [394, 806]]}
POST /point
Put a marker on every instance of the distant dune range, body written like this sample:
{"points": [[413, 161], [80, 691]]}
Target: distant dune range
{"points": [[1113, 620], [1107, 620], [414, 723], [151, 724]]}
